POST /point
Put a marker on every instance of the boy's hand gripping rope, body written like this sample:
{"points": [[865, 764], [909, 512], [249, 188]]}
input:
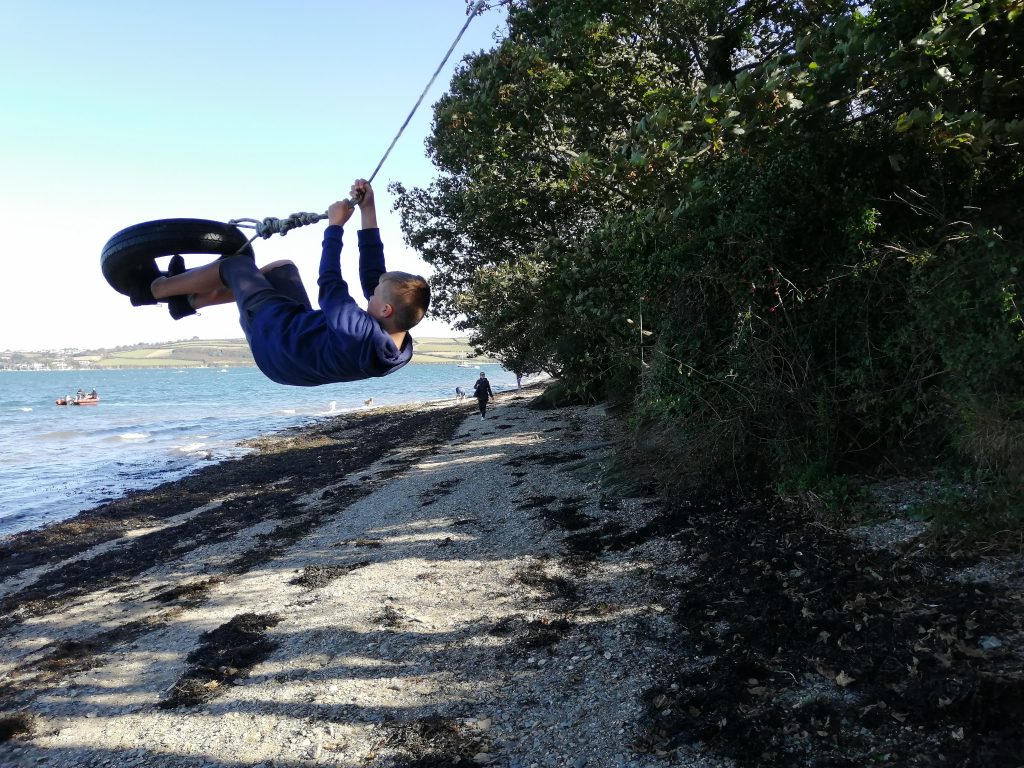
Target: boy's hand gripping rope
{"points": [[272, 226]]}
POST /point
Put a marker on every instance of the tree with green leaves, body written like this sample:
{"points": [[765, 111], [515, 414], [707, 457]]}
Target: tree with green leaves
{"points": [[786, 231]]}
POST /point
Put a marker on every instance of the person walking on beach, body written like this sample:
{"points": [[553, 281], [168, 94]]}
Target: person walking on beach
{"points": [[482, 391], [290, 341]]}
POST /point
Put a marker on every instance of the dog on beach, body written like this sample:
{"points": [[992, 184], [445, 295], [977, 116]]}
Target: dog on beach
{"points": [[368, 403]]}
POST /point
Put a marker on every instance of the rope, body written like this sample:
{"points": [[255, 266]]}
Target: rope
{"points": [[272, 226], [469, 18]]}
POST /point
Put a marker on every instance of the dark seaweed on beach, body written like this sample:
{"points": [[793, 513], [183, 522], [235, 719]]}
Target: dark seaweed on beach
{"points": [[546, 458], [432, 742], [440, 490], [19, 724], [187, 594], [390, 617], [543, 633], [225, 654], [235, 494], [534, 634], [316, 576], [554, 587], [559, 513], [811, 652]]}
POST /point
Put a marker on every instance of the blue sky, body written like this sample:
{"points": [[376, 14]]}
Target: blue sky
{"points": [[117, 113]]}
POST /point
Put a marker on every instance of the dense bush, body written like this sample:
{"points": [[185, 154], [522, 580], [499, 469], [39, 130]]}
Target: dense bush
{"points": [[789, 233]]}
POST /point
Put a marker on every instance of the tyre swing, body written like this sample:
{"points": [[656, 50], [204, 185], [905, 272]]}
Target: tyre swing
{"points": [[128, 260]]}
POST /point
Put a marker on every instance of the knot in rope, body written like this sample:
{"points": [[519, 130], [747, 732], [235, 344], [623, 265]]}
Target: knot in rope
{"points": [[272, 226]]}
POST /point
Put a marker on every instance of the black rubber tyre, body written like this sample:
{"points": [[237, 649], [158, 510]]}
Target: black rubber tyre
{"points": [[129, 257]]}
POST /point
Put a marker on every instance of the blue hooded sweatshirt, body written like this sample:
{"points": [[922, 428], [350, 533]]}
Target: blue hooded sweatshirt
{"points": [[340, 341]]}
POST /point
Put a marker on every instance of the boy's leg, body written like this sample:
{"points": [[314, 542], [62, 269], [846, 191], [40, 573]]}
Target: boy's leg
{"points": [[212, 298], [283, 276], [200, 280]]}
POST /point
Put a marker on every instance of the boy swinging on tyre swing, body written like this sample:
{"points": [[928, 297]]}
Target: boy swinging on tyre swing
{"points": [[290, 341]]}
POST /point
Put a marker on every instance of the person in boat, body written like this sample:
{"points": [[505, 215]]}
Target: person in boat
{"points": [[94, 395], [290, 341], [80, 394]]}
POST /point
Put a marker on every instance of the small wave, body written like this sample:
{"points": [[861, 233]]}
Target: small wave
{"points": [[25, 409], [59, 435], [192, 447], [130, 436], [289, 411]]}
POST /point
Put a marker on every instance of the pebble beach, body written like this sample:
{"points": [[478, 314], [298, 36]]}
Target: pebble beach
{"points": [[385, 589], [417, 586]]}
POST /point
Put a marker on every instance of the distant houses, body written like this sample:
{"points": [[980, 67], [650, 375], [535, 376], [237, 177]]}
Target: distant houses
{"points": [[46, 360]]}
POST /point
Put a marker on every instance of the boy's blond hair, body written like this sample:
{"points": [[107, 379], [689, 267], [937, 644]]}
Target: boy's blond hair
{"points": [[409, 296]]}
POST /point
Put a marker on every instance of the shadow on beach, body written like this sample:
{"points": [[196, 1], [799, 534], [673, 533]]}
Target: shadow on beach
{"points": [[412, 587]]}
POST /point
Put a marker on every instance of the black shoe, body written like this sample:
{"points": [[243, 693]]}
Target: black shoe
{"points": [[142, 291], [178, 306]]}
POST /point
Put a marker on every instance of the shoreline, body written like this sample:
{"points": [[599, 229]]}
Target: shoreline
{"points": [[417, 586], [95, 525], [155, 460]]}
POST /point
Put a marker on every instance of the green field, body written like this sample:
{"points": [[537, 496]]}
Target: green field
{"points": [[218, 353], [441, 350]]}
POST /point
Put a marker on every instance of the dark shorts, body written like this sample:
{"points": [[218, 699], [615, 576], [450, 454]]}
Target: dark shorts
{"points": [[253, 290]]}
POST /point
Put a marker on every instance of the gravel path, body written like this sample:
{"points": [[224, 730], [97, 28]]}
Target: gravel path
{"points": [[434, 609]]}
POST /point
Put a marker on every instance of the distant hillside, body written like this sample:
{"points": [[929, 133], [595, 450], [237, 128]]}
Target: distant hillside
{"points": [[195, 353], [178, 354], [441, 350]]}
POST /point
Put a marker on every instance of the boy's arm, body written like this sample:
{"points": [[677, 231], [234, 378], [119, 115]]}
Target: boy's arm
{"points": [[367, 204], [330, 257], [371, 250], [371, 260]]}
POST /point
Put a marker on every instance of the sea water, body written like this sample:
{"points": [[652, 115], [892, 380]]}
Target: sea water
{"points": [[152, 426]]}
